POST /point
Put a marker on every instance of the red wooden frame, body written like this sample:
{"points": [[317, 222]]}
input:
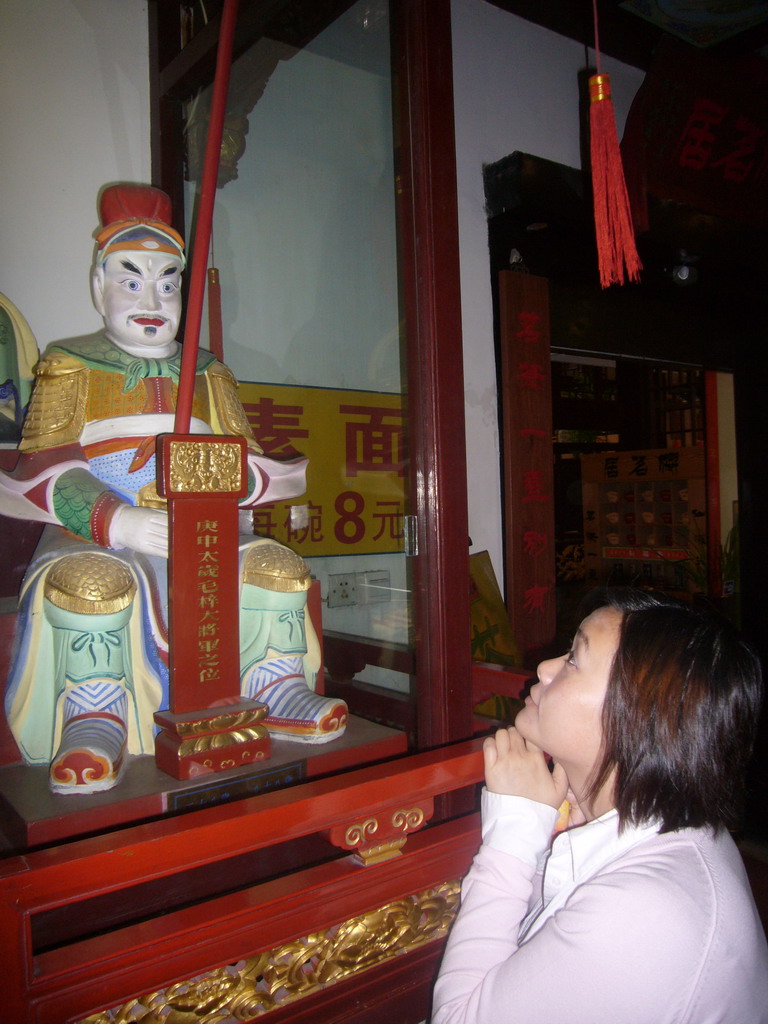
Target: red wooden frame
{"points": [[68, 983], [431, 286]]}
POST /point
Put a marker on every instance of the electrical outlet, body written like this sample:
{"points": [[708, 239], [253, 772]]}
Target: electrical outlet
{"points": [[342, 591], [373, 586]]}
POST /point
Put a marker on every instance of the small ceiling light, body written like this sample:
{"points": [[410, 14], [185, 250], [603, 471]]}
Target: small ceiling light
{"points": [[683, 273]]}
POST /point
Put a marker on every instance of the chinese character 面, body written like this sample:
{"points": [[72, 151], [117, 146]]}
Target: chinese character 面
{"points": [[371, 442]]}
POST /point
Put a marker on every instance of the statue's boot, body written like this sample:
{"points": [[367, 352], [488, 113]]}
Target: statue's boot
{"points": [[279, 650], [88, 601], [295, 711], [92, 752]]}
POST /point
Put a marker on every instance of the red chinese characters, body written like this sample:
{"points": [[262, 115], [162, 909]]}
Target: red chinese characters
{"points": [[527, 418], [276, 426], [372, 443]]}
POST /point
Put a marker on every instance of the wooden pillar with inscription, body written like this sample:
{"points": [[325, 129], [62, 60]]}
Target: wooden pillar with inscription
{"points": [[208, 726], [529, 516]]}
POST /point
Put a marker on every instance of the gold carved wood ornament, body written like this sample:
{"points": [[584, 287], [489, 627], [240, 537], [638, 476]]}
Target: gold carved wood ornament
{"points": [[212, 467], [273, 978], [382, 836]]}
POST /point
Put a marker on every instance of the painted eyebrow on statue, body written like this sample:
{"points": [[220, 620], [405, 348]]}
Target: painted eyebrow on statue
{"points": [[130, 266], [169, 270]]}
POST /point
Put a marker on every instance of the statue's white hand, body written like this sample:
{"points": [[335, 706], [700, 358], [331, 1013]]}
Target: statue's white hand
{"points": [[140, 529]]}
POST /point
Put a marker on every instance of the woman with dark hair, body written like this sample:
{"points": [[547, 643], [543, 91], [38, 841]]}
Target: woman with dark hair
{"points": [[639, 911]]}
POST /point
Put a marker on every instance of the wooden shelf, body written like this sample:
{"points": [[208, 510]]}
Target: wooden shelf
{"points": [[33, 816]]}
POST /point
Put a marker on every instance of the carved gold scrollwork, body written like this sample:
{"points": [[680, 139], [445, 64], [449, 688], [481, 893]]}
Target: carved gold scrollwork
{"points": [[225, 722], [214, 741], [390, 830], [295, 969], [356, 833], [408, 821]]}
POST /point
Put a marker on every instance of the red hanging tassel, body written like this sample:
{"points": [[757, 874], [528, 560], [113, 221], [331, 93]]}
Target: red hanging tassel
{"points": [[616, 249]]}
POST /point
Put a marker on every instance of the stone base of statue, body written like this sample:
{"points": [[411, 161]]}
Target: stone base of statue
{"points": [[233, 736]]}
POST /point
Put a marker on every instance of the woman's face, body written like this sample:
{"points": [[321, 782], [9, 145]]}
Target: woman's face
{"points": [[562, 713]]}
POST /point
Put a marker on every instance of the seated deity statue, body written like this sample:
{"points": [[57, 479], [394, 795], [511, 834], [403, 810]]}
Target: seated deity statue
{"points": [[90, 663]]}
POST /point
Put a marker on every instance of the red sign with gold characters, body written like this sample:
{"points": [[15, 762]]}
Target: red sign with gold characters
{"points": [[203, 477], [208, 726], [354, 441]]}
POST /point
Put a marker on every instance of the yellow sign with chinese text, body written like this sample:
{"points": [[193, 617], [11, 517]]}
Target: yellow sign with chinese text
{"points": [[354, 441]]}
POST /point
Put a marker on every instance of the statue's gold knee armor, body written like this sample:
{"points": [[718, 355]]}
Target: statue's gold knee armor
{"points": [[90, 584], [273, 567]]}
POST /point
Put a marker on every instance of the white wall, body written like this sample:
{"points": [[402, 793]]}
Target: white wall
{"points": [[74, 117], [515, 88], [304, 236]]}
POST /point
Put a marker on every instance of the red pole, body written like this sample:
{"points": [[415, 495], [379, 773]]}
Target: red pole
{"points": [[205, 218]]}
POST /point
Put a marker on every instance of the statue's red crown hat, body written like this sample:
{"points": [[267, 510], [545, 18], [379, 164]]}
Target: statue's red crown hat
{"points": [[136, 218]]}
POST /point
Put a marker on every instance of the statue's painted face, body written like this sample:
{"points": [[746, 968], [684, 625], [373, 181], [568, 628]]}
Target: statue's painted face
{"points": [[138, 294]]}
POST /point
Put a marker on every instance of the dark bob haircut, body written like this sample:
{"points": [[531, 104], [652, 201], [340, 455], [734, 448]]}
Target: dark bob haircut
{"points": [[679, 715]]}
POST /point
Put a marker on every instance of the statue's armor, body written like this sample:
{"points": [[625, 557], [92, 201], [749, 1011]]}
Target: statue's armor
{"points": [[56, 412], [88, 442], [273, 567], [90, 584], [229, 408]]}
